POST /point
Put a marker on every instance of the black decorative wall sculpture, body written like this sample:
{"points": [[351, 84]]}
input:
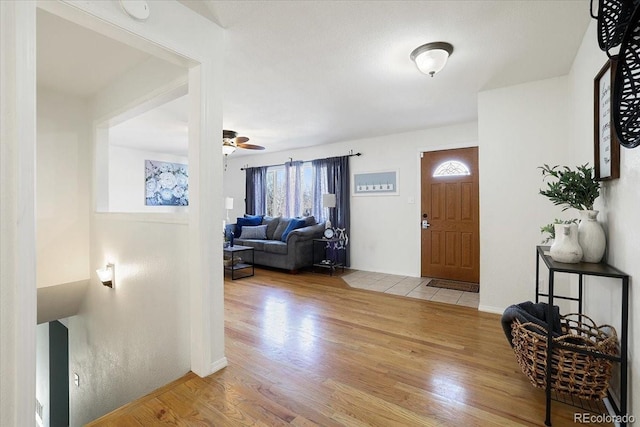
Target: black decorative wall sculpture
{"points": [[613, 17], [619, 23], [626, 86]]}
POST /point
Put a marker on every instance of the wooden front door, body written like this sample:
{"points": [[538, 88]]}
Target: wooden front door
{"points": [[450, 201]]}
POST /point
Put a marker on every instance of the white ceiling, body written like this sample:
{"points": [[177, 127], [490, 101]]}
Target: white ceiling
{"points": [[162, 129], [74, 60], [302, 73]]}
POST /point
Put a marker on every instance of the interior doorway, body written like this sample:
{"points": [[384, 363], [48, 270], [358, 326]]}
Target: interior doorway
{"points": [[450, 233], [58, 374]]}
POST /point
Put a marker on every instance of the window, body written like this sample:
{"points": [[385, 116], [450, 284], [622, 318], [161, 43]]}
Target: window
{"points": [[451, 168], [275, 191], [289, 190]]}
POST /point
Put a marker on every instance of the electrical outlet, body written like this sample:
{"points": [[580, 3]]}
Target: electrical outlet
{"points": [[76, 379]]}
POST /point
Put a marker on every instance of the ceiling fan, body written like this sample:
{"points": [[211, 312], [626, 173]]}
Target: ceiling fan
{"points": [[231, 141]]}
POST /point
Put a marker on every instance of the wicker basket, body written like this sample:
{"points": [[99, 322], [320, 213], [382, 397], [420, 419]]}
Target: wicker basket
{"points": [[584, 376]]}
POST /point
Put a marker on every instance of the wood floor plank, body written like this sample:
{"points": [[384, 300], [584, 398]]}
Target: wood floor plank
{"points": [[307, 350]]}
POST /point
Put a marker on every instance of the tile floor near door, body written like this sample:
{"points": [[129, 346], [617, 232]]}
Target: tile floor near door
{"points": [[413, 287]]}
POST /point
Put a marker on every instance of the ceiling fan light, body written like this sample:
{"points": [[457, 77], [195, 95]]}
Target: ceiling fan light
{"points": [[228, 148], [430, 58]]}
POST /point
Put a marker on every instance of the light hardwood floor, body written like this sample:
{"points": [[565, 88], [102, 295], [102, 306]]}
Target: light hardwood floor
{"points": [[307, 350]]}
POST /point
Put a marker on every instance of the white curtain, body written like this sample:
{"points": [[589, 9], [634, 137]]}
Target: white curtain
{"points": [[293, 189]]}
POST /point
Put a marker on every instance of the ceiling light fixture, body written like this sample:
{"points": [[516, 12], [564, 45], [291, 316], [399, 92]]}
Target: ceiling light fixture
{"points": [[432, 57], [228, 147]]}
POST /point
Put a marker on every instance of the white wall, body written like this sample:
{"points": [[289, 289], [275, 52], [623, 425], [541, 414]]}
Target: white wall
{"points": [[128, 341], [165, 315], [619, 202], [551, 121], [126, 180], [17, 213], [43, 390], [380, 225], [112, 339], [145, 78], [133, 93], [520, 128], [63, 189], [131, 339]]}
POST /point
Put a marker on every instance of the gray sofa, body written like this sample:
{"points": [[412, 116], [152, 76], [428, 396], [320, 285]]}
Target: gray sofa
{"points": [[295, 252]]}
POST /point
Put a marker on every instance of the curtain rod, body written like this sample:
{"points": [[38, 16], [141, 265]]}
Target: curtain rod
{"points": [[351, 154]]}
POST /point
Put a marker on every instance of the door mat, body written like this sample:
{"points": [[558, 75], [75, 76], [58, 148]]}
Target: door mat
{"points": [[452, 284]]}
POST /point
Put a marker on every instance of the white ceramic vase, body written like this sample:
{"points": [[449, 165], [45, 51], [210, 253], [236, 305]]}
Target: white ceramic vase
{"points": [[565, 247], [591, 237]]}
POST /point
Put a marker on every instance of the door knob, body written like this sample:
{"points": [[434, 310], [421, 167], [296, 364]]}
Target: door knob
{"points": [[425, 221]]}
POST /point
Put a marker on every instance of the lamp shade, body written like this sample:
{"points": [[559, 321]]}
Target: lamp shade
{"points": [[328, 200], [430, 58], [106, 275], [228, 203]]}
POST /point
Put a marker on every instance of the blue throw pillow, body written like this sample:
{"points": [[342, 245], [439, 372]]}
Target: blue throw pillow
{"points": [[246, 221], [293, 225], [254, 216]]}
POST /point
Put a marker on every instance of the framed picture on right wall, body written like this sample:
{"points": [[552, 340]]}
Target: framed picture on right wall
{"points": [[605, 141]]}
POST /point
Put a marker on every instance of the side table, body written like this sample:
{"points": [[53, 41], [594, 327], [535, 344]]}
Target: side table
{"points": [[237, 263], [585, 269], [331, 258]]}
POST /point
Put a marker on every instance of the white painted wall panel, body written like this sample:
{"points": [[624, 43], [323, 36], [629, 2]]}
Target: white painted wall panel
{"points": [[126, 180], [63, 189], [131, 339], [520, 127], [618, 204]]}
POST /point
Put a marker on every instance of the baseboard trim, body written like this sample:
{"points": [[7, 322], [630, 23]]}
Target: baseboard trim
{"points": [[490, 309], [213, 368], [219, 364]]}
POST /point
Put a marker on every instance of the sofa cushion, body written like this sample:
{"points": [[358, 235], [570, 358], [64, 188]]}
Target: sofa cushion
{"points": [[309, 220], [293, 225], [240, 222], [258, 232], [272, 224], [275, 247], [280, 229], [258, 245]]}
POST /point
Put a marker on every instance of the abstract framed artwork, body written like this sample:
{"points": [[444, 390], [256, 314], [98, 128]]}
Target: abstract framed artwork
{"points": [[166, 184], [383, 183]]}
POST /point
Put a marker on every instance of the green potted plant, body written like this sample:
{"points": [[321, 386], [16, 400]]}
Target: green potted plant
{"points": [[571, 188], [577, 188]]}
